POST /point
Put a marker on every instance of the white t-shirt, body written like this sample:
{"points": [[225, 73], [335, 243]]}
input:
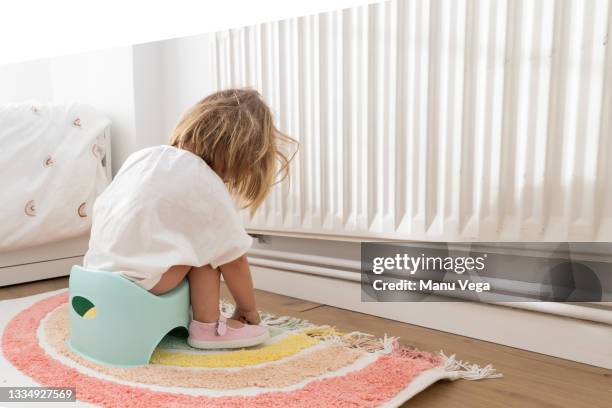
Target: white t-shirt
{"points": [[165, 207]]}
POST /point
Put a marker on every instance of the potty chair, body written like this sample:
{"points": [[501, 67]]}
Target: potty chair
{"points": [[115, 322]]}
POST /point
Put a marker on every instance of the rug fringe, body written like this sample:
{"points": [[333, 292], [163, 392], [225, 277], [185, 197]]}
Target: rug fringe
{"points": [[367, 342], [226, 308], [269, 319], [356, 339], [284, 322], [462, 369], [327, 334]]}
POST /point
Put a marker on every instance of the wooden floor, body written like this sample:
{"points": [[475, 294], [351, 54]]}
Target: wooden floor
{"points": [[530, 379]]}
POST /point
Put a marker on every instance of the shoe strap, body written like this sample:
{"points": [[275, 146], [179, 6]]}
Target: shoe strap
{"points": [[221, 326]]}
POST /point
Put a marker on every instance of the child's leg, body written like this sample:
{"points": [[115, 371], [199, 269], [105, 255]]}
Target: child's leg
{"points": [[209, 330], [170, 279], [237, 277], [204, 290]]}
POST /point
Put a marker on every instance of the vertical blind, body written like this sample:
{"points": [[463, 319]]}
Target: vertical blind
{"points": [[437, 119]]}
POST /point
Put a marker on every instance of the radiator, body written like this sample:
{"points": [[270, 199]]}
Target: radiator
{"points": [[442, 120]]}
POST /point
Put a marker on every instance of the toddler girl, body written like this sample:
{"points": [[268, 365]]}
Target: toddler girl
{"points": [[169, 213]]}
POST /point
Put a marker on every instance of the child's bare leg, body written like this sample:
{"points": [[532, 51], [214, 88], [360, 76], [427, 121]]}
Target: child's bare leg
{"points": [[237, 276], [170, 279], [204, 291], [204, 286]]}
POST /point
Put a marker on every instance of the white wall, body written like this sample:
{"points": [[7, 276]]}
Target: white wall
{"points": [[103, 79], [26, 81], [169, 77], [148, 84], [186, 75], [143, 89]]}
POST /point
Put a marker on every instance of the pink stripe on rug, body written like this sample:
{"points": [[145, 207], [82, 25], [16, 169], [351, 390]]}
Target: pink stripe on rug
{"points": [[368, 387]]}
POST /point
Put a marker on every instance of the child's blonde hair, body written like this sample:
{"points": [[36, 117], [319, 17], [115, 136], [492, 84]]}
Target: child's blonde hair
{"points": [[233, 131]]}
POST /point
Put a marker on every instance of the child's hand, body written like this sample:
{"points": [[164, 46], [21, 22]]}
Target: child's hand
{"points": [[249, 317]]}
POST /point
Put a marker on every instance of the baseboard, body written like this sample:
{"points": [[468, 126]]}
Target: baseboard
{"points": [[569, 338]]}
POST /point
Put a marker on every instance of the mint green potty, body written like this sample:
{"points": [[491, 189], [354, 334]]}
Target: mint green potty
{"points": [[115, 322]]}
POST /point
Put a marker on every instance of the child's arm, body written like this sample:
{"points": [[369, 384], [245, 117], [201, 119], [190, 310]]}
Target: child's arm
{"points": [[237, 276]]}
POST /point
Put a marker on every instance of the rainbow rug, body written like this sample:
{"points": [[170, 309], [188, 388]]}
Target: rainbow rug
{"points": [[302, 365]]}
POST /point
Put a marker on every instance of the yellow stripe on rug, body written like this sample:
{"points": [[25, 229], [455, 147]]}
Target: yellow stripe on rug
{"points": [[312, 363], [282, 348]]}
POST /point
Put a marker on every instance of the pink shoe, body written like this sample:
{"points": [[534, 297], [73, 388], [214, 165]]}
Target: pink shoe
{"points": [[220, 336]]}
